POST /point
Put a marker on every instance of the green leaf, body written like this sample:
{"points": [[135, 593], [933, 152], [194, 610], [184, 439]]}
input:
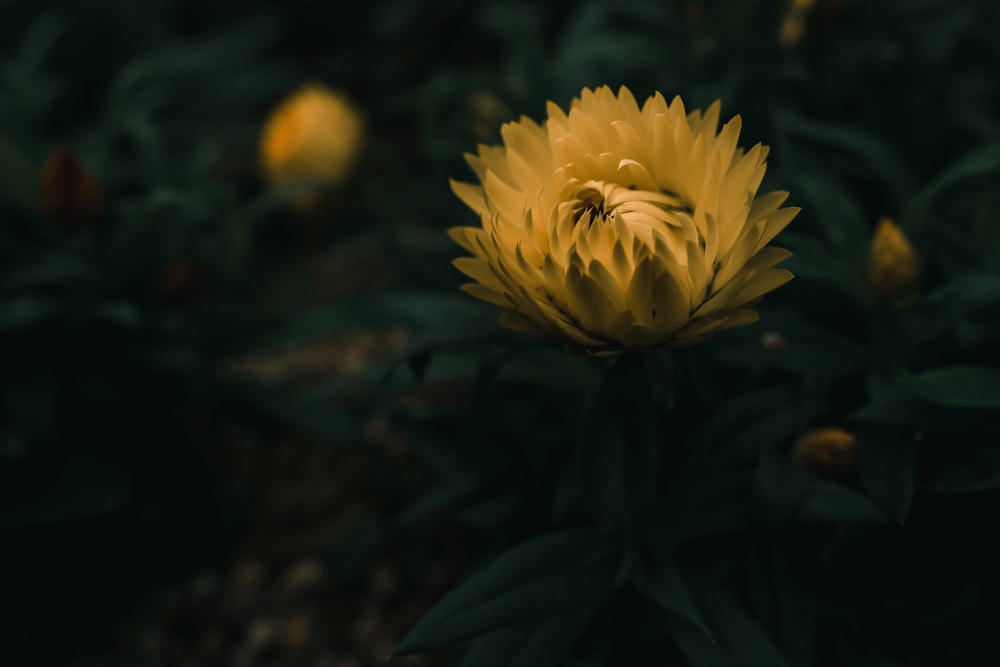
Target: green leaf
{"points": [[976, 471], [532, 582], [18, 175], [619, 444], [54, 268], [568, 487], [667, 588], [699, 651], [887, 467], [841, 219], [827, 502], [542, 644], [871, 152], [27, 311], [481, 327], [980, 161], [739, 640], [780, 486], [959, 386], [811, 259], [300, 410]]}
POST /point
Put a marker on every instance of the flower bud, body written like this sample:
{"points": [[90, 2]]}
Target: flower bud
{"points": [[893, 265], [70, 197], [314, 135], [773, 341], [793, 27], [827, 451], [485, 112], [184, 282]]}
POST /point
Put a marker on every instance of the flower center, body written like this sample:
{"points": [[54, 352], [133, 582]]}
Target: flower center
{"points": [[592, 204], [602, 202]]}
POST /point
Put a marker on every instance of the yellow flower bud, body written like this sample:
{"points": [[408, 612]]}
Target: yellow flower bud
{"points": [[827, 451], [893, 264], [314, 135], [793, 27], [70, 196], [485, 112]]}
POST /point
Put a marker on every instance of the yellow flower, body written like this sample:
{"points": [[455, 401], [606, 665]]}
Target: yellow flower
{"points": [[827, 451], [614, 227], [893, 265], [314, 135]]}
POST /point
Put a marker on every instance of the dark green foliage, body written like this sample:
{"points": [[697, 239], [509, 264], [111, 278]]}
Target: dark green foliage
{"points": [[641, 510]]}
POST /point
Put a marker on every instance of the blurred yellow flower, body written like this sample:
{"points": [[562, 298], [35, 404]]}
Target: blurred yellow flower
{"points": [[314, 135], [893, 264], [827, 451], [485, 113], [616, 227]]}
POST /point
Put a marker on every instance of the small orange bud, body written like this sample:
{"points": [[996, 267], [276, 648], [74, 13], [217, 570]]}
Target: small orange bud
{"points": [[69, 197], [773, 342], [893, 264], [827, 451], [183, 283], [694, 13], [827, 11]]}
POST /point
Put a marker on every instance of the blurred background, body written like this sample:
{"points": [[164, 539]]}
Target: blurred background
{"points": [[220, 427]]}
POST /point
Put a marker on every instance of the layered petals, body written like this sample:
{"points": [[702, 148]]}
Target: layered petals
{"points": [[615, 226]]}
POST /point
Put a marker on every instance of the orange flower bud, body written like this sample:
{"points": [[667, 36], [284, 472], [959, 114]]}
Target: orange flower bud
{"points": [[69, 197], [827, 451], [184, 282], [773, 342], [893, 265]]}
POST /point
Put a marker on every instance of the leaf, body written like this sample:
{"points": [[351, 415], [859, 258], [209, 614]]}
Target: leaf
{"points": [[874, 155], [542, 644], [811, 259], [841, 219], [780, 486], [27, 311], [959, 386], [777, 584], [898, 407], [667, 588], [978, 162], [299, 410], [532, 582], [827, 502], [54, 268], [568, 488], [977, 471], [742, 642], [619, 444], [479, 328], [887, 467], [17, 175], [699, 651]]}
